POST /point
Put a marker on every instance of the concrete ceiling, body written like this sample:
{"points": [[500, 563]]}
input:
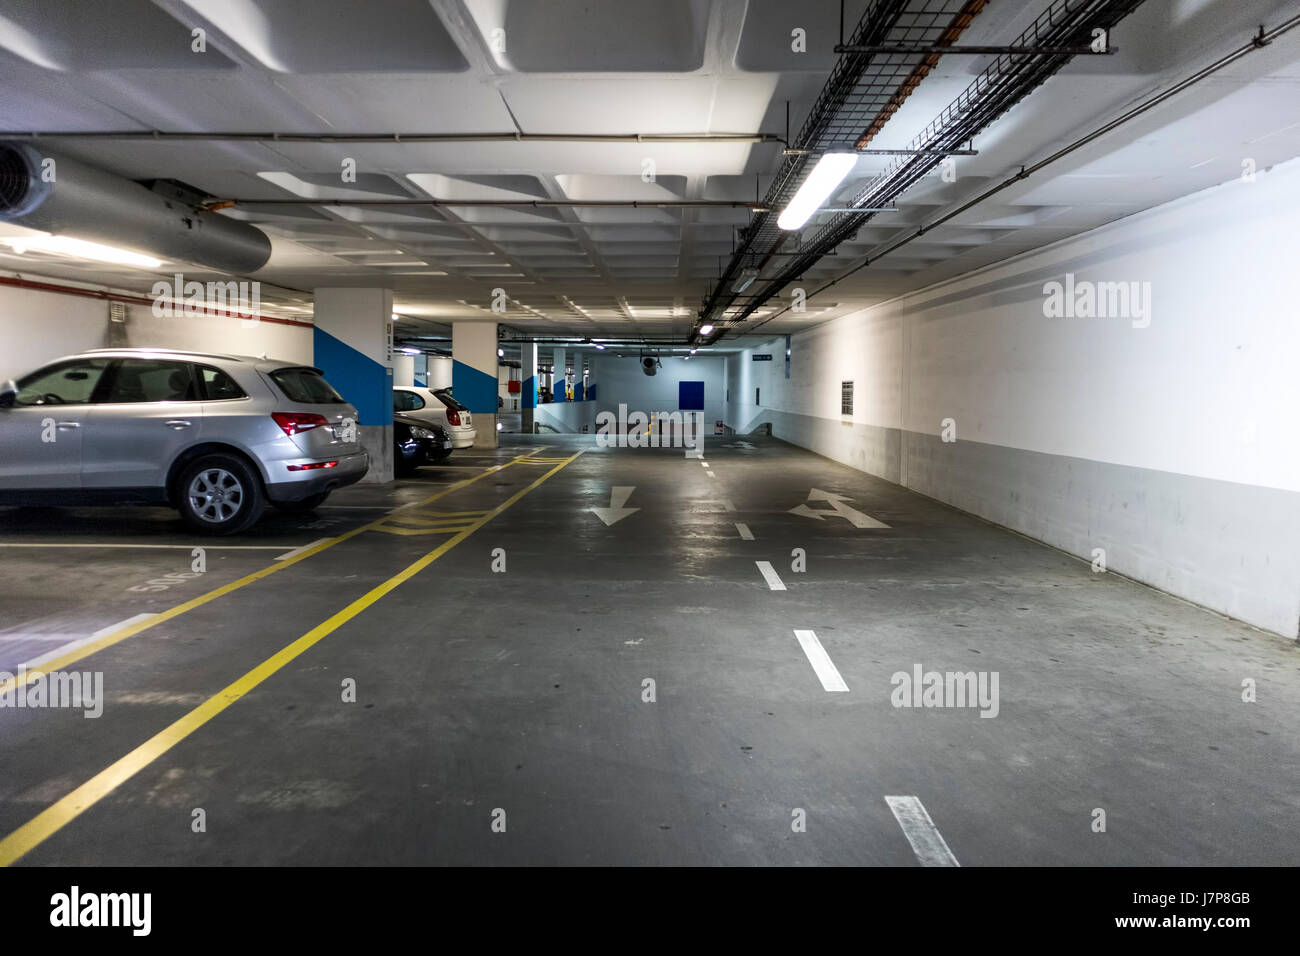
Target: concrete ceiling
{"points": [[618, 66]]}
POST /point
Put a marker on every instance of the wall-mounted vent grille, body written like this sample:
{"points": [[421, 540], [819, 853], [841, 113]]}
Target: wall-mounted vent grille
{"points": [[846, 398]]}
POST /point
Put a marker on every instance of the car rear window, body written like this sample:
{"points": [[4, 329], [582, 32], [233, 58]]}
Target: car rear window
{"points": [[217, 385], [446, 399], [306, 386]]}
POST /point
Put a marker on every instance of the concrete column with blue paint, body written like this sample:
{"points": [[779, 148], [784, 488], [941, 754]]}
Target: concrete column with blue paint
{"points": [[558, 388], [350, 345], [528, 388], [474, 376]]}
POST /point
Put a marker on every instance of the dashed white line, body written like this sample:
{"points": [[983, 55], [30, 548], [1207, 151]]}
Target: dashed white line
{"points": [[726, 503], [770, 576], [711, 474], [821, 662], [927, 842], [705, 464], [745, 533], [298, 551]]}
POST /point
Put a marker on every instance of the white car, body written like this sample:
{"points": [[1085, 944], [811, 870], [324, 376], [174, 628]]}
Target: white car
{"points": [[436, 406]]}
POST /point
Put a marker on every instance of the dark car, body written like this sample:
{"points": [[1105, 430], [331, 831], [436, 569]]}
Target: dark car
{"points": [[417, 442]]}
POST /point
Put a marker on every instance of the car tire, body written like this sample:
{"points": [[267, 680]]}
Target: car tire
{"points": [[220, 494], [302, 505], [440, 457]]}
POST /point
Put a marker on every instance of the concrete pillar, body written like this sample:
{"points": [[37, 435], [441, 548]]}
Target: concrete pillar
{"points": [[350, 345], [474, 376], [439, 371], [528, 393], [403, 369], [558, 381]]}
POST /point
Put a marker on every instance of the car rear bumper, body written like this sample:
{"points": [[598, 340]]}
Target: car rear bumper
{"points": [[463, 437], [296, 485]]}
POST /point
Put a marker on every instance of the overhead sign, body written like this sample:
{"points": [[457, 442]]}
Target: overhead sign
{"points": [[762, 356]]}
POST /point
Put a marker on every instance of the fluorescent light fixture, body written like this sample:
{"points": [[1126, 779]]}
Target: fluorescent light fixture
{"points": [[599, 346], [706, 330], [81, 249], [410, 351], [501, 353], [394, 316], [693, 351], [821, 182], [747, 276]]}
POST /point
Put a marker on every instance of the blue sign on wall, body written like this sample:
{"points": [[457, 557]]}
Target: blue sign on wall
{"points": [[690, 396]]}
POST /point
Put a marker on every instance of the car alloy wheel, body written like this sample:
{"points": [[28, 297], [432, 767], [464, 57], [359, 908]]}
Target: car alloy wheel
{"points": [[216, 495]]}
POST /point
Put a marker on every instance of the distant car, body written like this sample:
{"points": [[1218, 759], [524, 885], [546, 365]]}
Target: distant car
{"points": [[216, 436], [438, 407], [417, 442]]}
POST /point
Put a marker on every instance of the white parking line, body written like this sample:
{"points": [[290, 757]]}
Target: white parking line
{"points": [[726, 503], [59, 651], [744, 531], [769, 575], [711, 474], [297, 551], [821, 662], [927, 842], [705, 464]]}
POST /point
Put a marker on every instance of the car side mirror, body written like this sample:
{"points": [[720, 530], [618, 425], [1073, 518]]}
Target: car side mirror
{"points": [[8, 394]]}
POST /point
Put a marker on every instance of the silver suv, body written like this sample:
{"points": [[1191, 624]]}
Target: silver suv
{"points": [[216, 436]]}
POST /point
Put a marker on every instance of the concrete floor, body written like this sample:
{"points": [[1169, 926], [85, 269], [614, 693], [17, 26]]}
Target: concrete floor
{"points": [[522, 691]]}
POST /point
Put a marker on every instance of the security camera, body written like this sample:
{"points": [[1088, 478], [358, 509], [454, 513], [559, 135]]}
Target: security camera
{"points": [[649, 365]]}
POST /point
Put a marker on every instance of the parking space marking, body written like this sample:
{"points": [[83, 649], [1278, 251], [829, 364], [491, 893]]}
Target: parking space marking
{"points": [[295, 551], [53, 818], [69, 646], [821, 662], [927, 842], [745, 533], [179, 547], [726, 503], [770, 576], [117, 636]]}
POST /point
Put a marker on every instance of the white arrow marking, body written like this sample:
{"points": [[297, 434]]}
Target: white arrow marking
{"points": [[821, 662], [839, 510], [618, 496], [927, 842]]}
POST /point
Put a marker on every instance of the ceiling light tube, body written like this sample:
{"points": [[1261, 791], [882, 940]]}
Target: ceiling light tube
{"points": [[826, 176], [81, 249], [706, 330]]}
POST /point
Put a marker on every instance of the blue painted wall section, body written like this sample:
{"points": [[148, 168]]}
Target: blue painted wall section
{"points": [[361, 380], [528, 399], [690, 396], [476, 390]]}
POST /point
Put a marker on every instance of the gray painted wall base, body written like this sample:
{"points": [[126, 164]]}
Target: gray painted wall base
{"points": [[377, 440], [1229, 547]]}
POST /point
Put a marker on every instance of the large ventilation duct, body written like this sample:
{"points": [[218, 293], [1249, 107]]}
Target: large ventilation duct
{"points": [[88, 203]]}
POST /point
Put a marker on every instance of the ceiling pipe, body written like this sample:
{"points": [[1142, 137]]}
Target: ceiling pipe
{"points": [[214, 204], [401, 138], [65, 197]]}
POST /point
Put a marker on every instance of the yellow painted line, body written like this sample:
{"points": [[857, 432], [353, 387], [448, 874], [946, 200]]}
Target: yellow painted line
{"points": [[53, 818], [116, 637]]}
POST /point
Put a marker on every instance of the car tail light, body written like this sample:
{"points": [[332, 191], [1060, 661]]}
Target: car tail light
{"points": [[294, 423], [453, 416], [312, 466]]}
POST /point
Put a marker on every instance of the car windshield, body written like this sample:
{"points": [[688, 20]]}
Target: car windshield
{"points": [[306, 386]]}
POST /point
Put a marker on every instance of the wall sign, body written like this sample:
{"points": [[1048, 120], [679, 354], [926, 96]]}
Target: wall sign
{"points": [[762, 357]]}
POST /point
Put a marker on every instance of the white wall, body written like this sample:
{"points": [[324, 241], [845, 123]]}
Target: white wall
{"points": [[621, 381], [1172, 446], [38, 326]]}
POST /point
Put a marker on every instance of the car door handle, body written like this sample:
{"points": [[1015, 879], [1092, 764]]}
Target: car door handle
{"points": [[177, 424], [67, 425]]}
